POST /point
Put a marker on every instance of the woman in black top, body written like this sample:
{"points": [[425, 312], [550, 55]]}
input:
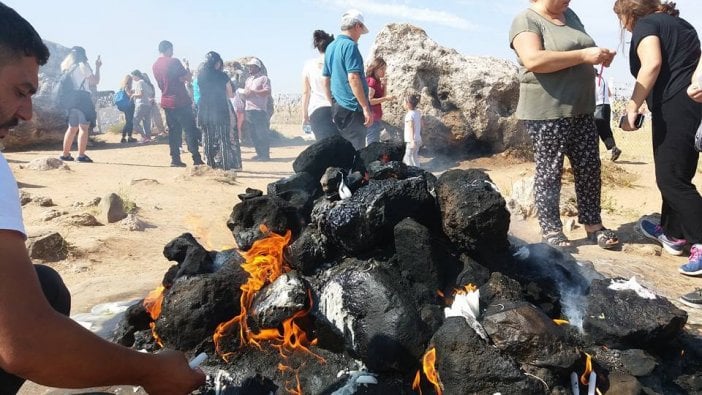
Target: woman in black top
{"points": [[216, 116], [664, 53]]}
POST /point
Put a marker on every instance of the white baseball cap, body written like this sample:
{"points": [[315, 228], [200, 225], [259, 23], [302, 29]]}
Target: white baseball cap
{"points": [[254, 62], [353, 16]]}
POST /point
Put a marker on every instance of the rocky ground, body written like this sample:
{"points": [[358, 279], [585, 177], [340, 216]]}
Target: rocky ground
{"points": [[109, 262]]}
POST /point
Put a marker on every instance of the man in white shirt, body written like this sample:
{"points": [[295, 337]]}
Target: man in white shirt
{"points": [[37, 341]]}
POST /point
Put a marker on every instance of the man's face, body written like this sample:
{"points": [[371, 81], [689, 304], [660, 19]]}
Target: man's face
{"points": [[18, 82]]}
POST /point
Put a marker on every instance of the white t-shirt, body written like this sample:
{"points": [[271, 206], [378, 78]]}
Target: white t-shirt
{"points": [[313, 72], [143, 89], [10, 209], [601, 91], [82, 73], [416, 133]]}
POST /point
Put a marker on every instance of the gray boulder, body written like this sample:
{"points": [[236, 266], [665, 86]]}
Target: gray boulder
{"points": [[112, 208], [468, 102], [49, 247]]}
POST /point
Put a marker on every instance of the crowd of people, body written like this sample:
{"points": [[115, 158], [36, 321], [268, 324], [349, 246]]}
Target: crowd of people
{"points": [[557, 102]]}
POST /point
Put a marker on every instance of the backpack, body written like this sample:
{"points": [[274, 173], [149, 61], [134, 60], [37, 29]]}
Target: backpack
{"points": [[122, 100], [62, 94]]}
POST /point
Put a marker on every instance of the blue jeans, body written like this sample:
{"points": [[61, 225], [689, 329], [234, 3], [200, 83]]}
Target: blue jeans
{"points": [[373, 132]]}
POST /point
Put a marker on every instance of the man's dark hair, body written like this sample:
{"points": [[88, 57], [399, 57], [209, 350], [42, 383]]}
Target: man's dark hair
{"points": [[164, 46], [18, 38]]}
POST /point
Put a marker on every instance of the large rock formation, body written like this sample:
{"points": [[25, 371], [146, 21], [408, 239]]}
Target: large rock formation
{"points": [[468, 102]]}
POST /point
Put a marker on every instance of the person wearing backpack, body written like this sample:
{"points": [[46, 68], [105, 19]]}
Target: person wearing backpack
{"points": [[79, 103], [124, 103]]}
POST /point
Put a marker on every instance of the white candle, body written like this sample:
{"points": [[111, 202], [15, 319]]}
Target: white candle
{"points": [[574, 385], [195, 362], [592, 384]]}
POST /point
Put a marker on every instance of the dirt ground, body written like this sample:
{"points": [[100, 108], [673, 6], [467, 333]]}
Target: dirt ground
{"points": [[108, 263]]}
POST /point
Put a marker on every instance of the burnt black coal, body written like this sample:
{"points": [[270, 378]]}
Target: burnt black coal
{"points": [[373, 272]]}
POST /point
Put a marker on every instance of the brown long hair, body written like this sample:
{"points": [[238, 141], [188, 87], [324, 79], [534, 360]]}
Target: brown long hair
{"points": [[376, 64], [633, 10]]}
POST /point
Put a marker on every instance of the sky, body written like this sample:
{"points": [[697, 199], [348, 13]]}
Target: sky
{"points": [[126, 33]]}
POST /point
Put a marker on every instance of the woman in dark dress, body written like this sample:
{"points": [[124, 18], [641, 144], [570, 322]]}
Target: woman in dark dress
{"points": [[216, 116]]}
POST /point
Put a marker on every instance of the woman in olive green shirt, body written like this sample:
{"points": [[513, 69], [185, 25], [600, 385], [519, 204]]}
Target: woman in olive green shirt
{"points": [[556, 103]]}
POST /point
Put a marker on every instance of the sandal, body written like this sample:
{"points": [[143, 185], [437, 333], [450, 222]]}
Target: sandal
{"points": [[66, 158], [604, 238], [556, 239]]}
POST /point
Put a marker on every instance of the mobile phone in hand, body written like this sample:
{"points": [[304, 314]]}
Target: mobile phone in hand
{"points": [[638, 122]]}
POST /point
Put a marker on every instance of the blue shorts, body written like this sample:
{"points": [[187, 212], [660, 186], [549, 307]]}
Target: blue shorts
{"points": [[76, 117]]}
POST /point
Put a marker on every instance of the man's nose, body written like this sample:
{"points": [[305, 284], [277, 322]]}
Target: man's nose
{"points": [[24, 112]]}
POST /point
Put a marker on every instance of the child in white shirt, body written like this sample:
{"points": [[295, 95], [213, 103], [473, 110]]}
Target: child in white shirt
{"points": [[413, 130]]}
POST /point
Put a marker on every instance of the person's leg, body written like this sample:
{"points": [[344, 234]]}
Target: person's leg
{"points": [[676, 160], [157, 119], [59, 298], [322, 124], [373, 132], [548, 142], [83, 133], [68, 139], [604, 129], [142, 116], [175, 135], [257, 121], [582, 151], [192, 133], [355, 131]]}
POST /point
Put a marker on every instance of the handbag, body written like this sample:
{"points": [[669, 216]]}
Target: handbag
{"points": [[599, 112]]}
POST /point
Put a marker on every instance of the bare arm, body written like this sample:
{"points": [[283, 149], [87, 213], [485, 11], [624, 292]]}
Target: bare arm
{"points": [[230, 91], [649, 52], [695, 88], [95, 78], [538, 60], [306, 92], [360, 94], [40, 344], [327, 88]]}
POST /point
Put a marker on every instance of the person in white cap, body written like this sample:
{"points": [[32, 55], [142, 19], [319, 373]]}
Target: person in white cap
{"points": [[257, 92], [345, 80]]}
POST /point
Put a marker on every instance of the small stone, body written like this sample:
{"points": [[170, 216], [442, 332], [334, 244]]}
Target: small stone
{"points": [[570, 225], [133, 223], [77, 204], [47, 163], [51, 214], [25, 197], [112, 208], [44, 201], [83, 219], [49, 247], [94, 202]]}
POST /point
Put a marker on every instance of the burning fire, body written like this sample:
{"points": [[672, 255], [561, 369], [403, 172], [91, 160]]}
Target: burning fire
{"points": [[430, 372], [264, 263], [152, 304], [561, 322], [298, 388], [466, 289], [585, 377]]}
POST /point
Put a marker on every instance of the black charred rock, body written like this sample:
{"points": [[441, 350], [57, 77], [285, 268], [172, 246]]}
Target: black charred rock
{"points": [[250, 193], [135, 319], [625, 319], [471, 273], [331, 179], [192, 258], [367, 218], [468, 365], [278, 301], [334, 151], [385, 151], [387, 170], [299, 190], [524, 332], [275, 213], [416, 256], [380, 325], [474, 214], [411, 171], [193, 307], [308, 251], [144, 340], [500, 289]]}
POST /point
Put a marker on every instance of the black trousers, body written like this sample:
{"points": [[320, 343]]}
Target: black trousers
{"points": [[259, 128], [322, 124], [59, 298], [179, 119], [603, 125], [675, 159]]}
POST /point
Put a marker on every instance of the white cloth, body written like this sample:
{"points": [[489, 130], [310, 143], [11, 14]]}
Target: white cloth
{"points": [[601, 91], [10, 209], [313, 72], [82, 73], [143, 89]]}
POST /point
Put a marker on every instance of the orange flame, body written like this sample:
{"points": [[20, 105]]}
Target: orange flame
{"points": [[585, 377], [430, 372], [466, 289], [264, 263], [152, 303], [298, 388], [561, 322]]}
